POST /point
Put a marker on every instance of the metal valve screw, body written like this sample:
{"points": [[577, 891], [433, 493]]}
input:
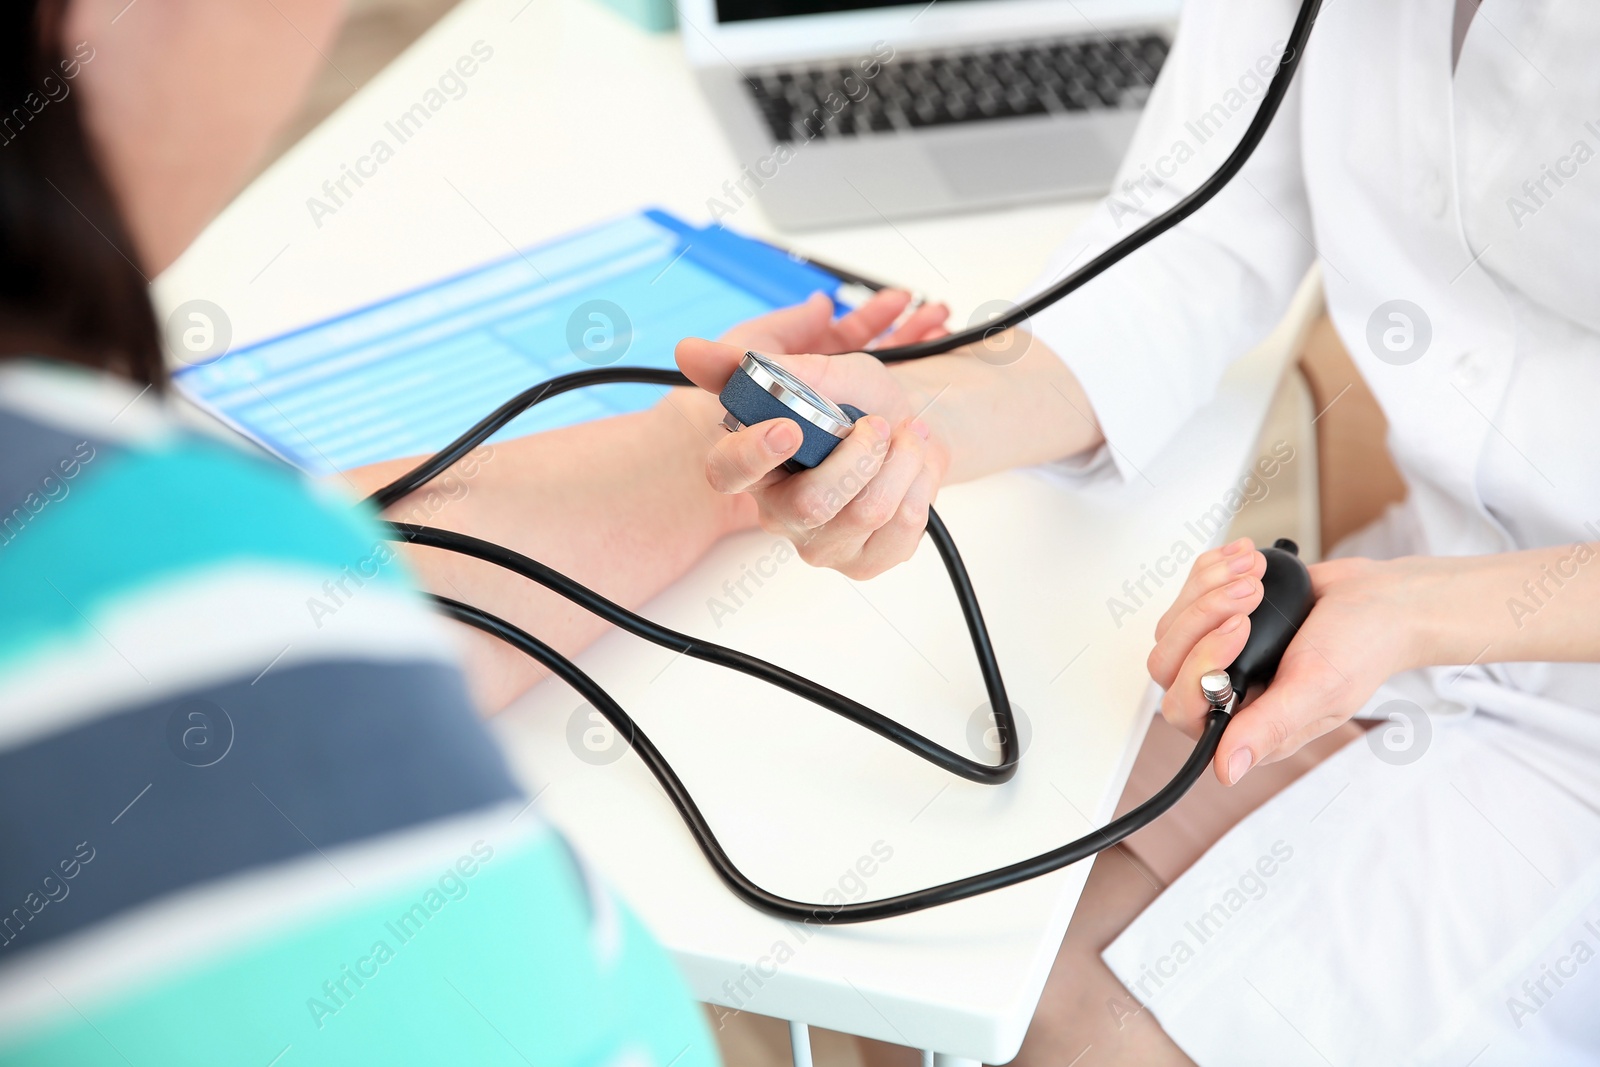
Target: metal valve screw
{"points": [[1217, 687]]}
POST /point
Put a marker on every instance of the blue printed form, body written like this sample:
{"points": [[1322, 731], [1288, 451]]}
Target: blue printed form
{"points": [[407, 375]]}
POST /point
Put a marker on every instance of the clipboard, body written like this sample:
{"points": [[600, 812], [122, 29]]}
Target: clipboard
{"points": [[407, 374]]}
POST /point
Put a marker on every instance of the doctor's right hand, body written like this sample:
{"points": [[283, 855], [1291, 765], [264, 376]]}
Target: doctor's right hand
{"points": [[1362, 630], [864, 508], [1205, 629]]}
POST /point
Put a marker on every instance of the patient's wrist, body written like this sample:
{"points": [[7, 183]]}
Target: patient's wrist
{"points": [[687, 426]]}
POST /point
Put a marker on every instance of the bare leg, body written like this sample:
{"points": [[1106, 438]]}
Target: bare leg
{"points": [[883, 1054], [1085, 1017], [749, 1040]]}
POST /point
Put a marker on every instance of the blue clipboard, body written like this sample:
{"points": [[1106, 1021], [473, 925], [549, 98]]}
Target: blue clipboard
{"points": [[408, 374]]}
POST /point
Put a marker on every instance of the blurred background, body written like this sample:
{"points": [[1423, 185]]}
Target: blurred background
{"points": [[374, 32]]}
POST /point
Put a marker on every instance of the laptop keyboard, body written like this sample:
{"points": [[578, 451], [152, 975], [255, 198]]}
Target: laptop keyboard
{"points": [[940, 88]]}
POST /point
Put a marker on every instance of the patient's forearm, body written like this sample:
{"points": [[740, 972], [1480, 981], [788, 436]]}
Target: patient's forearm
{"points": [[1009, 403], [621, 505]]}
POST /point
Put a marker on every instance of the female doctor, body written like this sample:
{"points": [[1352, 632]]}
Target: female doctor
{"points": [[1430, 896]]}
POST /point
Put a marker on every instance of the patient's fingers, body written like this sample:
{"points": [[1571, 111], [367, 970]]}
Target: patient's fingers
{"points": [[855, 328], [749, 458], [923, 324], [796, 328]]}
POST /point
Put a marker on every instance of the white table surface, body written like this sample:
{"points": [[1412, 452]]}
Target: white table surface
{"points": [[579, 117]]}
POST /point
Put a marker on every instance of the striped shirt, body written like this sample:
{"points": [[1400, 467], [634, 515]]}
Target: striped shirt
{"points": [[247, 812]]}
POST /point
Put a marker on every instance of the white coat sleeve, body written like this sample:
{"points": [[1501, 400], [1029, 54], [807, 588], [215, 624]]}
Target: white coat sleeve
{"points": [[1150, 338]]}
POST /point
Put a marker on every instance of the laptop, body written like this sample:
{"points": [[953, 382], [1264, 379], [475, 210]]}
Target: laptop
{"points": [[852, 111]]}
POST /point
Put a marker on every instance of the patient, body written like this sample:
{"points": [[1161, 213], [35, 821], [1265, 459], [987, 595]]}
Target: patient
{"points": [[237, 830]]}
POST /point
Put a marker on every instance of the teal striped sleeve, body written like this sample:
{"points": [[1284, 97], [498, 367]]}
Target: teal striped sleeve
{"points": [[264, 823]]}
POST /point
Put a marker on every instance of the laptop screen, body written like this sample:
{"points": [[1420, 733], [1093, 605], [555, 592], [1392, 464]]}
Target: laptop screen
{"points": [[742, 10]]}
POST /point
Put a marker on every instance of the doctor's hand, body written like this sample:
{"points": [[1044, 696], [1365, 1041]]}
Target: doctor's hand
{"points": [[864, 508], [1357, 636]]}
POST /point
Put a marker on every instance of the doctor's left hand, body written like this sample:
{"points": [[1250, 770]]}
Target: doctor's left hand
{"points": [[863, 509]]}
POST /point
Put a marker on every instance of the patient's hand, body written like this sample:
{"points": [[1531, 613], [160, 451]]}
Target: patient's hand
{"points": [[863, 509], [811, 327]]}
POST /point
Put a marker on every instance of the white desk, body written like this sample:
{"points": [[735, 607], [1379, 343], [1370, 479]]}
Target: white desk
{"points": [[578, 117]]}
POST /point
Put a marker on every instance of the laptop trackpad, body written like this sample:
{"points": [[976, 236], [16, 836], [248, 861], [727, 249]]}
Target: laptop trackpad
{"points": [[1039, 158]]}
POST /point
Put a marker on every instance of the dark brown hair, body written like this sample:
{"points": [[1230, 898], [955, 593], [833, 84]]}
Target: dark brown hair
{"points": [[69, 283]]}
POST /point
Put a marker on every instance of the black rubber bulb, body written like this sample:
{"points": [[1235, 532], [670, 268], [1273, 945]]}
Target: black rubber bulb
{"points": [[1275, 622]]}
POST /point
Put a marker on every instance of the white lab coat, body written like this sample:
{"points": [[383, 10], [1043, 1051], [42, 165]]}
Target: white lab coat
{"points": [[1446, 909]]}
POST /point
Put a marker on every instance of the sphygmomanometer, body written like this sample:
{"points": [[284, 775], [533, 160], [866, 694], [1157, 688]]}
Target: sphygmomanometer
{"points": [[761, 389]]}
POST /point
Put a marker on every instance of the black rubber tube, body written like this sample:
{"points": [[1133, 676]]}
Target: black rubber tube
{"points": [[859, 911], [1260, 122], [710, 652], [492, 423]]}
